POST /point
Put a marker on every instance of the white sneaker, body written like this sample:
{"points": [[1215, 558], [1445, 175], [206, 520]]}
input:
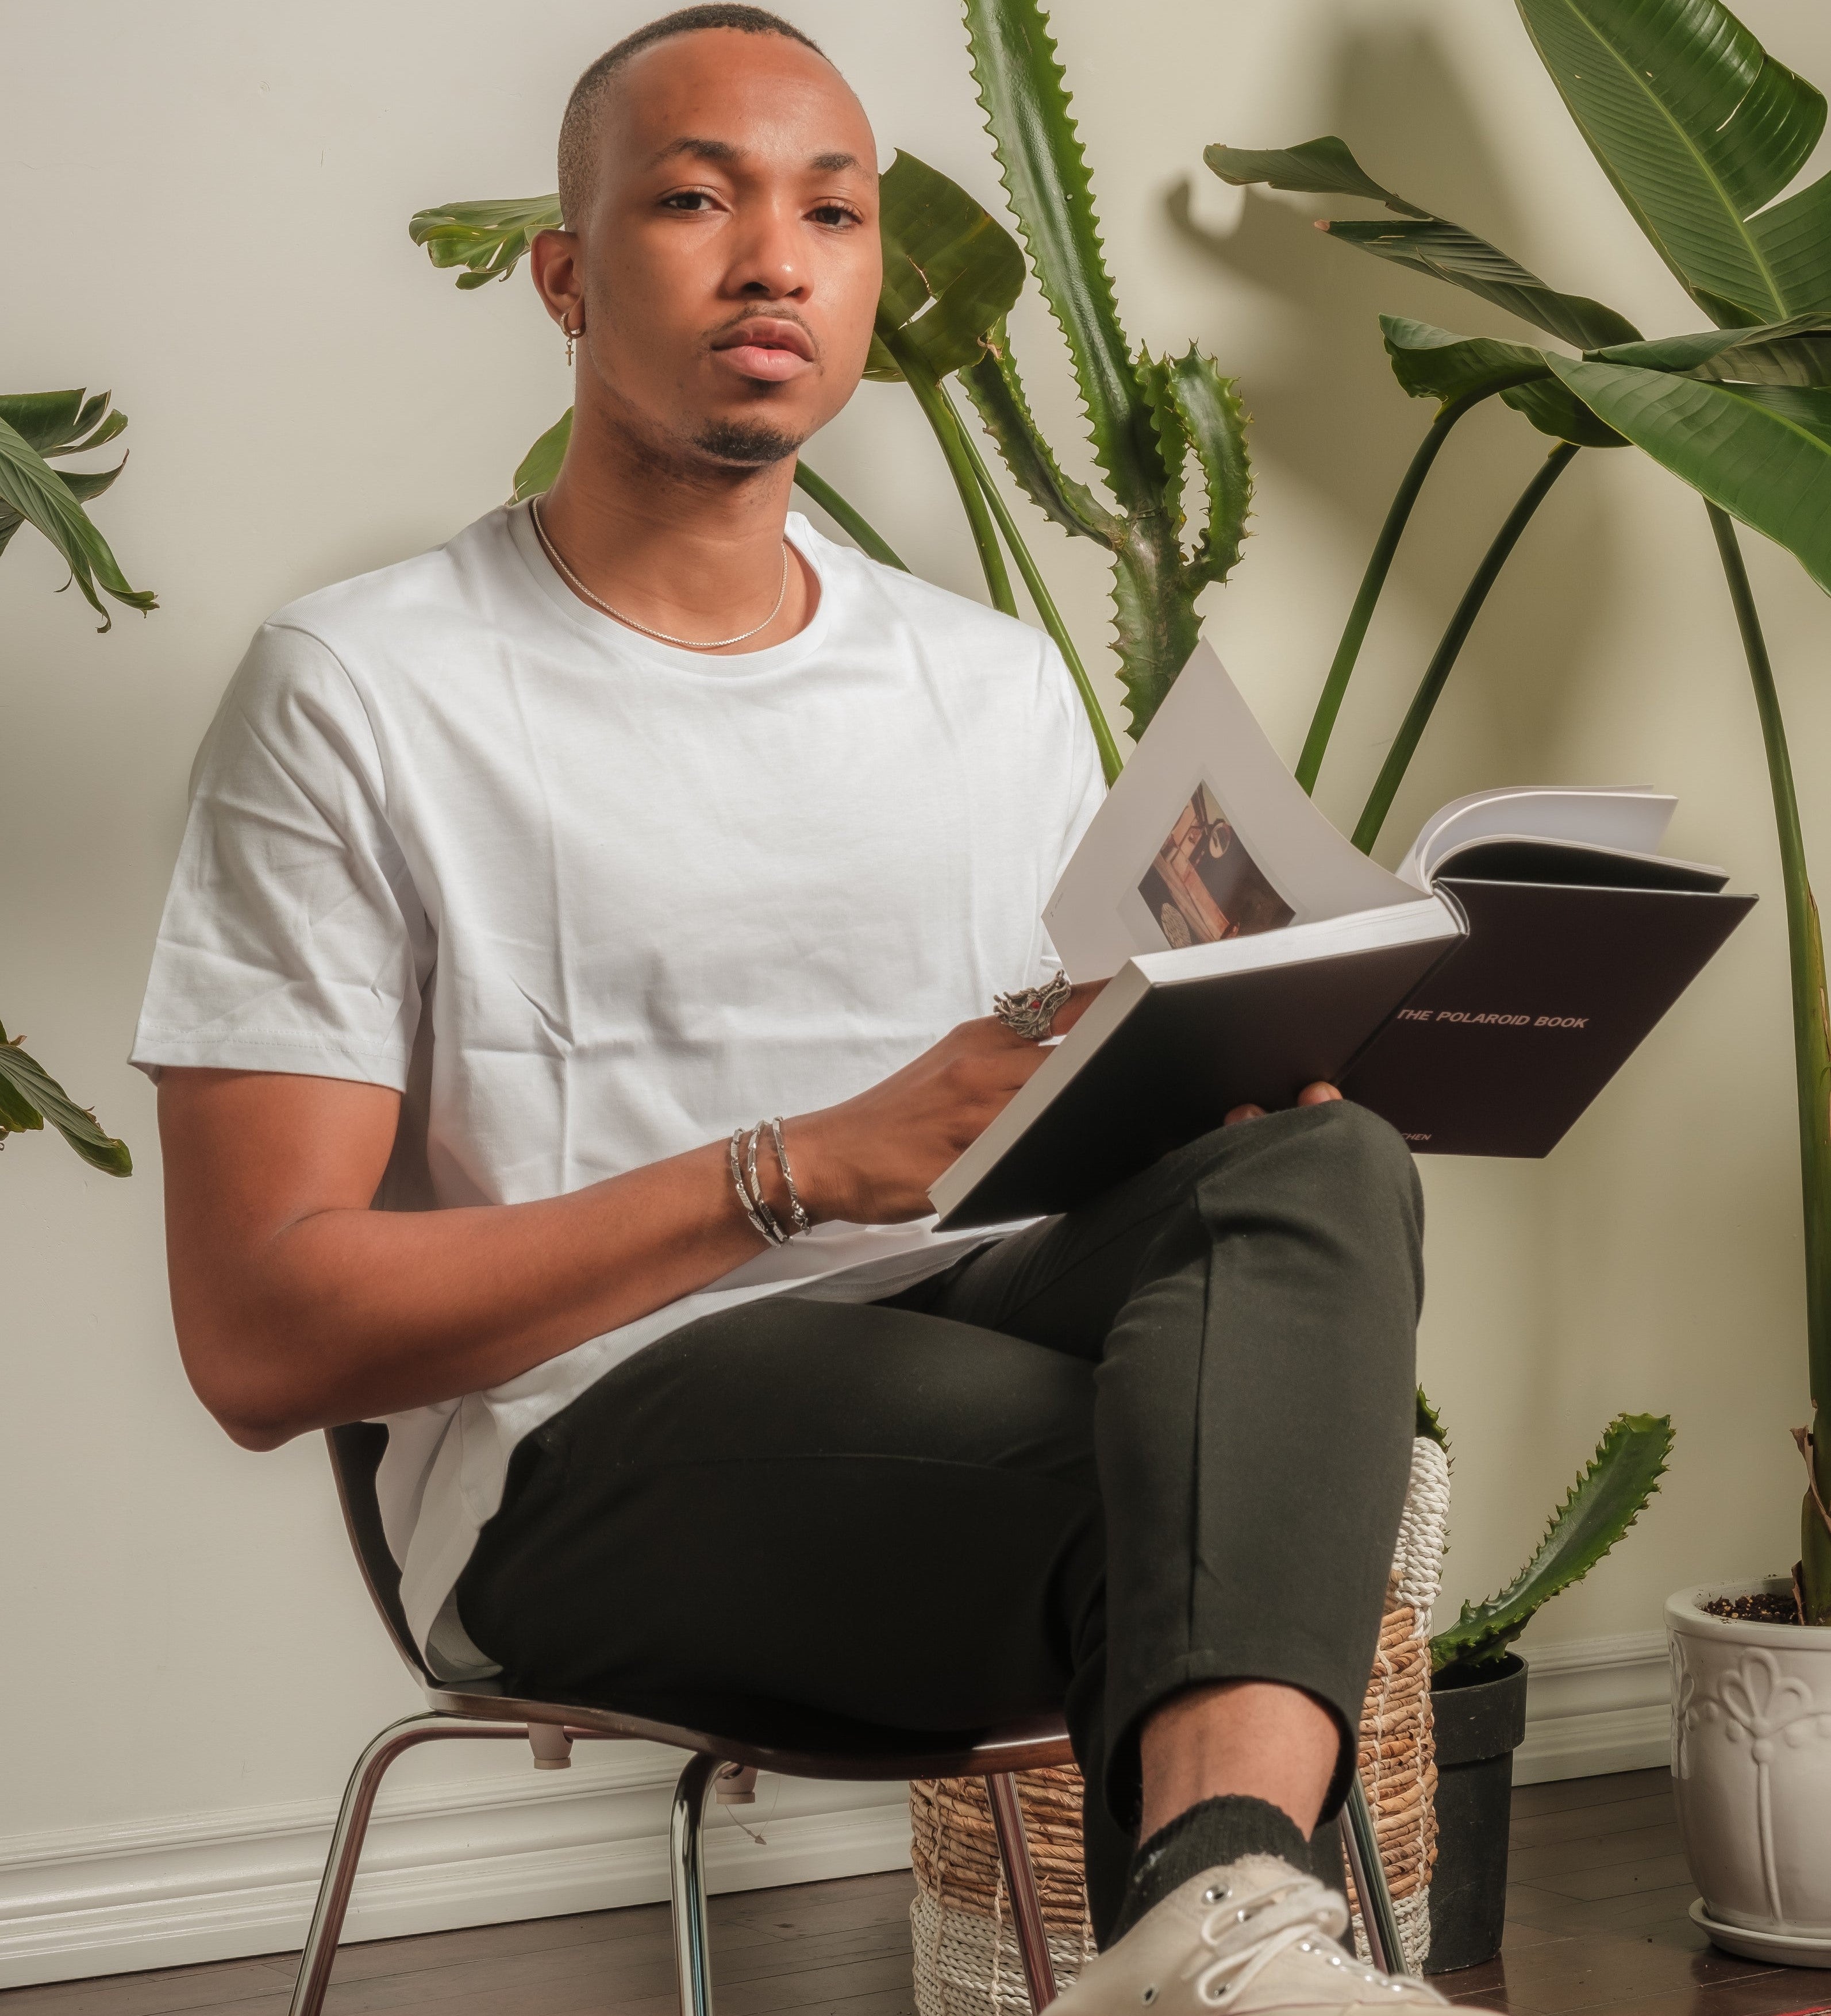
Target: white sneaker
{"points": [[1254, 1936]]}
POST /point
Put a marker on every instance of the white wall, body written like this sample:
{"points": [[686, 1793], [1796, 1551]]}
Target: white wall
{"points": [[207, 201]]}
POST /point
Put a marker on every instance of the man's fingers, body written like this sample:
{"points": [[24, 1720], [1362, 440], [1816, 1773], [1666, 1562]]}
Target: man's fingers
{"points": [[1318, 1094]]}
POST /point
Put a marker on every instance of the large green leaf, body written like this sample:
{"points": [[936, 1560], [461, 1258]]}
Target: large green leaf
{"points": [[1045, 171], [1794, 352], [1214, 423], [58, 423], [534, 474], [1697, 128], [951, 272], [1431, 363], [29, 1095], [62, 423], [1603, 1502], [31, 492], [489, 240], [1762, 452], [1424, 243]]}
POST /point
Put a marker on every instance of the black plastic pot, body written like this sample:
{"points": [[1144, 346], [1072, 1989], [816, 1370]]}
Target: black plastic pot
{"points": [[1480, 1721]]}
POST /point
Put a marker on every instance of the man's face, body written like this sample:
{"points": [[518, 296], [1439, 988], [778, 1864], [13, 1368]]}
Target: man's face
{"points": [[730, 258]]}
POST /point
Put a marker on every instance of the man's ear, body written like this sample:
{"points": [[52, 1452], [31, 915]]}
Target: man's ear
{"points": [[556, 260]]}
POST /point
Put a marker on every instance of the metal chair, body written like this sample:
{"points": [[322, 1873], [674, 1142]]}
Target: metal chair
{"points": [[751, 1736]]}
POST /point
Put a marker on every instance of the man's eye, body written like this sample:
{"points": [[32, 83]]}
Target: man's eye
{"points": [[834, 213], [686, 199]]}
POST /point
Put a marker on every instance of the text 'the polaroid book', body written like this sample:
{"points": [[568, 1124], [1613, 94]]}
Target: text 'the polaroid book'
{"points": [[1479, 999]]}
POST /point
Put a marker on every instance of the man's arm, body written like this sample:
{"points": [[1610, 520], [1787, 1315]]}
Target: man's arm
{"points": [[298, 1306]]}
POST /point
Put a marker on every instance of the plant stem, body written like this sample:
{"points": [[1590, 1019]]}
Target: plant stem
{"points": [[1379, 566], [856, 526], [945, 422], [1111, 761], [1443, 659], [1812, 1055]]}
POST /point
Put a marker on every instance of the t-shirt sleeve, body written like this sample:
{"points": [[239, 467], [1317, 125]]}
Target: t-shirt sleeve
{"points": [[292, 938]]}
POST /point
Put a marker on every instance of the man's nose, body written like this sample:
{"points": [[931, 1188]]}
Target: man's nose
{"points": [[769, 265]]}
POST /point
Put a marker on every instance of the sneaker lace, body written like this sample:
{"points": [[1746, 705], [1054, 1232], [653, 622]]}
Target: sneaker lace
{"points": [[1248, 1928]]}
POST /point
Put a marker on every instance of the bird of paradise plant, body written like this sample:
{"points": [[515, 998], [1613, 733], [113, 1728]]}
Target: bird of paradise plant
{"points": [[1700, 130]]}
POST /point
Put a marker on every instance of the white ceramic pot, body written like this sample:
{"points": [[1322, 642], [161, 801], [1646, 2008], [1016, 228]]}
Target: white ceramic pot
{"points": [[1751, 1768]]}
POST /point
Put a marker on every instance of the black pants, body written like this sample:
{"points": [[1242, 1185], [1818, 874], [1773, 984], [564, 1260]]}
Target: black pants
{"points": [[1162, 1440]]}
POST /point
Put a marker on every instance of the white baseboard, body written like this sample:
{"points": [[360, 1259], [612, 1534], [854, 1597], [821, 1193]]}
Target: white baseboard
{"points": [[1594, 1705], [224, 1885]]}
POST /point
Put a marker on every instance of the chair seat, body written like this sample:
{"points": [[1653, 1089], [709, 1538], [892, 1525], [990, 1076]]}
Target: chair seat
{"points": [[779, 1736]]}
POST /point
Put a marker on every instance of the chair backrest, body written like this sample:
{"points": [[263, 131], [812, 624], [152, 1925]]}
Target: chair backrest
{"points": [[355, 1457]]}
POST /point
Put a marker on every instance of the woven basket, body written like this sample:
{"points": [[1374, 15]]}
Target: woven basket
{"points": [[967, 1962]]}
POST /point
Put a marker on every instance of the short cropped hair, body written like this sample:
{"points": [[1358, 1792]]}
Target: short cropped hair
{"points": [[578, 130]]}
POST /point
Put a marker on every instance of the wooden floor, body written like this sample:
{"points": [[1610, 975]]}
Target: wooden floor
{"points": [[1597, 1925]]}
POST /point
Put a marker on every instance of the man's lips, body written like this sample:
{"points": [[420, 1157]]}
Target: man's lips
{"points": [[763, 347]]}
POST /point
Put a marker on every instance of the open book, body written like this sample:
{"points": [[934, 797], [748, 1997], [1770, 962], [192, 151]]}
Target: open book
{"points": [[1479, 999]]}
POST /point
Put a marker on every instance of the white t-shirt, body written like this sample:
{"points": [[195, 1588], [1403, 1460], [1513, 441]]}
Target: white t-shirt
{"points": [[589, 901]]}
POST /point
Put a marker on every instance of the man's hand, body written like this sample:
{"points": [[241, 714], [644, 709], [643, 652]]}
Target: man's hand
{"points": [[871, 1159], [1318, 1094]]}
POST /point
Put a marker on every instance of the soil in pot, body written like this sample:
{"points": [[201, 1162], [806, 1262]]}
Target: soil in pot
{"points": [[1480, 1719]]}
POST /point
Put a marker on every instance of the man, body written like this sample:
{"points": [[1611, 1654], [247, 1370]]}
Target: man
{"points": [[521, 875]]}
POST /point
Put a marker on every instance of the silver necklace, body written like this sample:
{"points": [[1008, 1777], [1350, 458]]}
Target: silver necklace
{"points": [[661, 636]]}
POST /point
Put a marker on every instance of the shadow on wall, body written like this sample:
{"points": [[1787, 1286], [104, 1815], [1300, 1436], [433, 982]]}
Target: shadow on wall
{"points": [[1326, 407]]}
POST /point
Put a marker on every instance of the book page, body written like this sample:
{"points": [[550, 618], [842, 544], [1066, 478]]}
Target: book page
{"points": [[1625, 818], [1205, 835]]}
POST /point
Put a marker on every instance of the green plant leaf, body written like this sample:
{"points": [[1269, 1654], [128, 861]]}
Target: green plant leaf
{"points": [[1214, 423], [1323, 167], [1424, 243], [61, 423], [1601, 1506], [1430, 1422], [29, 1095], [1794, 352], [1762, 452], [1431, 363], [1697, 128], [32, 492], [951, 272], [1044, 172], [997, 393], [489, 240], [534, 473]]}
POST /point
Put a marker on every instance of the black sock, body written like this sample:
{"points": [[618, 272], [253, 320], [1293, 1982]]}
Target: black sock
{"points": [[1212, 1831]]}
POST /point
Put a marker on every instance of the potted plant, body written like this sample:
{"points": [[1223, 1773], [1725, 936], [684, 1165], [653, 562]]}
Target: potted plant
{"points": [[35, 426], [1478, 1684], [1700, 130]]}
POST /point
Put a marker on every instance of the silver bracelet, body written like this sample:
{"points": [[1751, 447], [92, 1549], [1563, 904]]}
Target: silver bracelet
{"points": [[758, 1203], [764, 1225], [797, 1212]]}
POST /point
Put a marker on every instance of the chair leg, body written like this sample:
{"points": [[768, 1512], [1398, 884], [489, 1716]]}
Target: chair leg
{"points": [[1379, 1919], [686, 1870], [345, 1847], [1027, 1918]]}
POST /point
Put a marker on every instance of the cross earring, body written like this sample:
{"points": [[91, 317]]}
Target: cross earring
{"points": [[572, 337]]}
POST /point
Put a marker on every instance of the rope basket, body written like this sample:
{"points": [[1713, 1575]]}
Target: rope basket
{"points": [[967, 1962]]}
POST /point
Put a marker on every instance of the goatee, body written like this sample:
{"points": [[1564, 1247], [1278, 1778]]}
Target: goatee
{"points": [[746, 444]]}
